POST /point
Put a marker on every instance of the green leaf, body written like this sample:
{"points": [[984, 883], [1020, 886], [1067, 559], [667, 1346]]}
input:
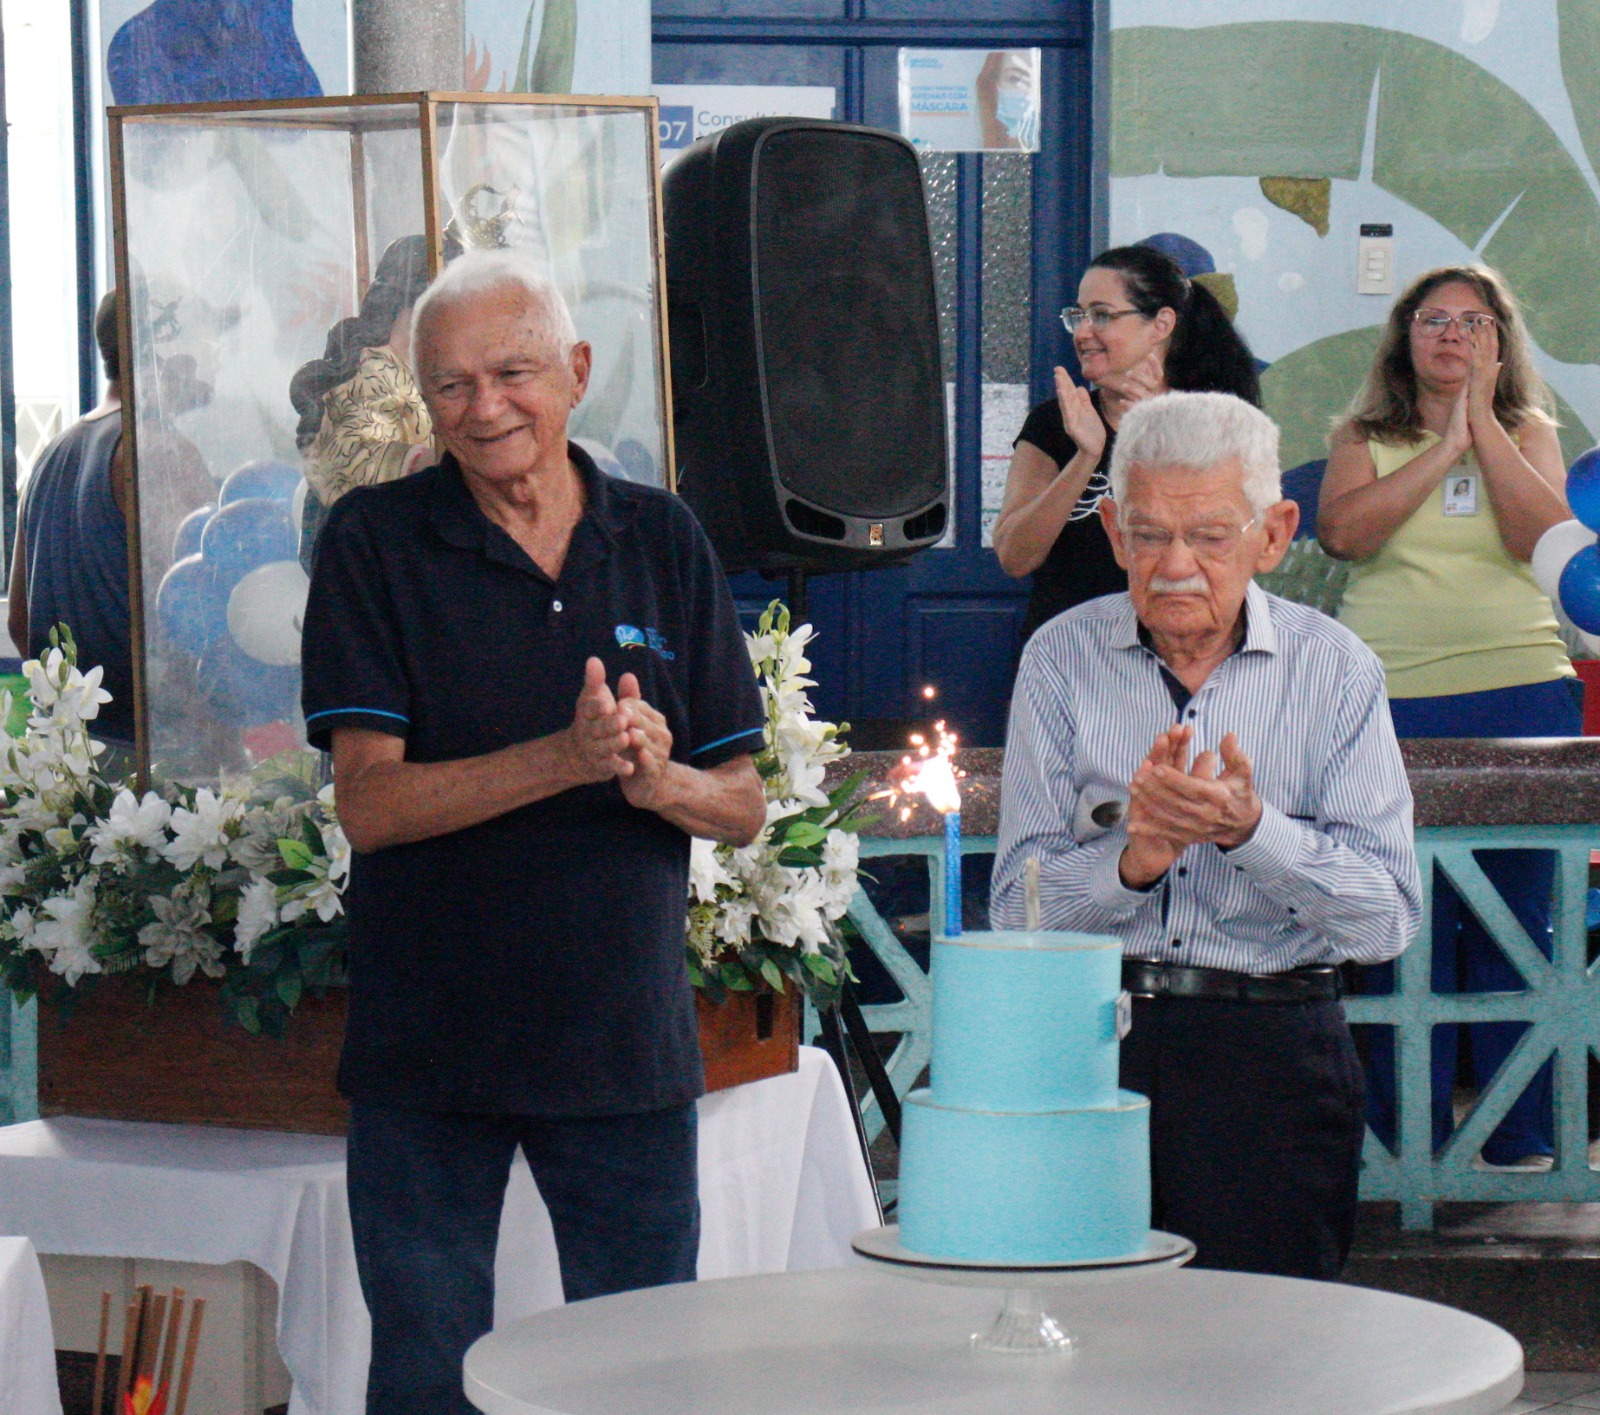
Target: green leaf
{"points": [[821, 967], [735, 978], [248, 1011], [769, 971], [802, 833], [558, 47], [520, 83], [295, 855], [290, 986]]}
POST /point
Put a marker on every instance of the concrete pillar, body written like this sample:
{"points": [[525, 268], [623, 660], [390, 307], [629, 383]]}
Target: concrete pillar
{"points": [[403, 46]]}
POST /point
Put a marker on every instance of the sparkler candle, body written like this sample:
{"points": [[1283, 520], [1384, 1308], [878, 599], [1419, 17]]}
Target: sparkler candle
{"points": [[952, 874], [932, 774]]}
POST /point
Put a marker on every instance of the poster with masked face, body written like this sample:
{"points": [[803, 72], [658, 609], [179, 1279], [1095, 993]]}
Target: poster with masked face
{"points": [[970, 100]]}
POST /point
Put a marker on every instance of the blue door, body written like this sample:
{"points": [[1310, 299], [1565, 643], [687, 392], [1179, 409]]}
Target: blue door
{"points": [[1010, 237]]}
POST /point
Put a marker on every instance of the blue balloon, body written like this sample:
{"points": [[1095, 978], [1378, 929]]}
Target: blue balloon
{"points": [[245, 534], [637, 463], [1583, 488], [243, 691], [264, 477], [1579, 590], [187, 540], [192, 606]]}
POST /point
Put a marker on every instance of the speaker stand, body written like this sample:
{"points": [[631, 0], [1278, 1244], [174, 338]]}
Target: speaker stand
{"points": [[844, 1030], [798, 608]]}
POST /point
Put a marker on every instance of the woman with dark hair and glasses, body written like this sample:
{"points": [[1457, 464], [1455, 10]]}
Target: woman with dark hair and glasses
{"points": [[1140, 327], [1440, 482]]}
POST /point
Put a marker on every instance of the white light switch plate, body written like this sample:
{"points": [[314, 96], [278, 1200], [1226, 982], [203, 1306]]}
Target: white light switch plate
{"points": [[1375, 265]]}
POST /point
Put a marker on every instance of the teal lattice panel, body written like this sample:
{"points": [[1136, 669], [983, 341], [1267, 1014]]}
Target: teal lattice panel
{"points": [[912, 1017], [19, 1098], [1560, 1004]]}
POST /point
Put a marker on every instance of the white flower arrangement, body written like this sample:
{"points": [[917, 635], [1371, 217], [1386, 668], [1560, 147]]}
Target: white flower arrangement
{"points": [[244, 882], [241, 883], [771, 910]]}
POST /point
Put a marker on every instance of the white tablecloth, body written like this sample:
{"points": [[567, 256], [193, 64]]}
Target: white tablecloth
{"points": [[27, 1348], [782, 1185], [857, 1340]]}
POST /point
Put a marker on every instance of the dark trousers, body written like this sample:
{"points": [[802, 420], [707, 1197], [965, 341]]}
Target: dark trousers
{"points": [[425, 1196], [1255, 1130]]}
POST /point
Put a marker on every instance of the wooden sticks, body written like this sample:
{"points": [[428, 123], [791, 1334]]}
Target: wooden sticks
{"points": [[100, 1354], [151, 1331]]}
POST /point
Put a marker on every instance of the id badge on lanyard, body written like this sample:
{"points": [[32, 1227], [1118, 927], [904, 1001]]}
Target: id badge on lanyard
{"points": [[1461, 491]]}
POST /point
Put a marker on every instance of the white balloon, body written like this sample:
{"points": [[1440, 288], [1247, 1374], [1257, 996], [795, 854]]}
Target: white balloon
{"points": [[1556, 547], [297, 505], [266, 610]]}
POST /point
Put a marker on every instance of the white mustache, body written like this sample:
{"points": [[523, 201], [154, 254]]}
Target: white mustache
{"points": [[1191, 584]]}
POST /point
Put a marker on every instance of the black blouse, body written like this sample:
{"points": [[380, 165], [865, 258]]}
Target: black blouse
{"points": [[1080, 564]]}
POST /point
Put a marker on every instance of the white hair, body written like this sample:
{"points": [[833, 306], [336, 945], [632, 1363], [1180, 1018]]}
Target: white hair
{"points": [[1194, 432], [481, 272]]}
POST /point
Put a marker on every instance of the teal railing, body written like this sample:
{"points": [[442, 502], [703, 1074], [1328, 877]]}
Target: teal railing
{"points": [[1561, 1004]]}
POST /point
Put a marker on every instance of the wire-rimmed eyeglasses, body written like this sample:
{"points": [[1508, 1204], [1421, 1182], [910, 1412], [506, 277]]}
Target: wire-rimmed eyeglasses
{"points": [[1097, 316], [1433, 323]]}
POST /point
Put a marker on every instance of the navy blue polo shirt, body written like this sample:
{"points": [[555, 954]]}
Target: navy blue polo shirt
{"points": [[532, 964]]}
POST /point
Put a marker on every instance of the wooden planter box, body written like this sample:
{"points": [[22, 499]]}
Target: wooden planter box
{"points": [[184, 1063]]}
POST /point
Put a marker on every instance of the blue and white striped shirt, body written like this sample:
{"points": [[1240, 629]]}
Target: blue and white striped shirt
{"points": [[1330, 873]]}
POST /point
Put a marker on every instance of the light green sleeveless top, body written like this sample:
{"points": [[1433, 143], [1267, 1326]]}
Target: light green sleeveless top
{"points": [[1443, 604]]}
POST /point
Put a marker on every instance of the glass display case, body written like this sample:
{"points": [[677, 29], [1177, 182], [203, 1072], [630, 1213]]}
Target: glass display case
{"points": [[271, 253]]}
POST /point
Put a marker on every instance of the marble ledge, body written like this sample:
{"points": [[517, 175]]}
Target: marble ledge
{"points": [[1467, 781]]}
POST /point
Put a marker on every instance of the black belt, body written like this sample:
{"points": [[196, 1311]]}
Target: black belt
{"points": [[1315, 984]]}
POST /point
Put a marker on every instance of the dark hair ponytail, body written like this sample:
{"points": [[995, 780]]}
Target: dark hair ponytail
{"points": [[401, 276], [1206, 354]]}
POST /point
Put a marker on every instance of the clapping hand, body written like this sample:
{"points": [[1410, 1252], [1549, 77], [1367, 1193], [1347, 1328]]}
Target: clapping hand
{"points": [[600, 728], [1171, 807], [649, 753], [1144, 380], [1080, 416], [1484, 378]]}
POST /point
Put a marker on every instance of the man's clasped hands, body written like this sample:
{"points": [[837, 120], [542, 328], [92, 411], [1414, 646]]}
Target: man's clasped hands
{"points": [[620, 735], [1173, 805]]}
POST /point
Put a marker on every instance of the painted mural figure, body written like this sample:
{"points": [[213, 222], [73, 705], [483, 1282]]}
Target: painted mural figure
{"points": [[1140, 327], [1440, 482]]}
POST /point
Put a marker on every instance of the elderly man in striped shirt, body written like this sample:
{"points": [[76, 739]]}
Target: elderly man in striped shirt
{"points": [[1209, 773]]}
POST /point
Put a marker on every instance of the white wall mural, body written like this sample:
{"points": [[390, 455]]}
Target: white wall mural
{"points": [[1270, 133]]}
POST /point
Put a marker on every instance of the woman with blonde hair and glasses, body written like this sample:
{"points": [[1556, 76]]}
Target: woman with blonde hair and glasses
{"points": [[1440, 482]]}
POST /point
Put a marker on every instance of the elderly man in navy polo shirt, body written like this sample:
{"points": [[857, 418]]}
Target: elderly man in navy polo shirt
{"points": [[533, 683]]}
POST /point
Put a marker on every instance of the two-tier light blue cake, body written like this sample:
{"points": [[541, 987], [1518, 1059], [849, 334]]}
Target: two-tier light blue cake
{"points": [[1024, 1150]]}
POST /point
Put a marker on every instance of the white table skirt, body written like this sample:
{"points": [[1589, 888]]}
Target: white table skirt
{"points": [[27, 1347], [782, 1185]]}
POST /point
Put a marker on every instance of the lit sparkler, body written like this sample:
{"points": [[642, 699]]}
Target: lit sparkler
{"points": [[932, 774]]}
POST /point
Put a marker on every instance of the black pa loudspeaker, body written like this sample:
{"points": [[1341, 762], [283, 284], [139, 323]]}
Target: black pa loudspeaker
{"points": [[808, 399]]}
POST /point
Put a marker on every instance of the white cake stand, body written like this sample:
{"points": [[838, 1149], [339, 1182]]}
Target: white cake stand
{"points": [[1023, 1327]]}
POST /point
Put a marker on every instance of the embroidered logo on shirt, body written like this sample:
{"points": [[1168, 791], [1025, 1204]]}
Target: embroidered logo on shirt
{"points": [[629, 637]]}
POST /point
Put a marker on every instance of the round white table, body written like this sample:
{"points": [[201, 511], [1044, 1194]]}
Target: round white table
{"points": [[854, 1339]]}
